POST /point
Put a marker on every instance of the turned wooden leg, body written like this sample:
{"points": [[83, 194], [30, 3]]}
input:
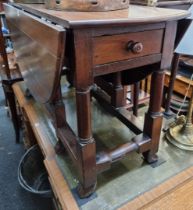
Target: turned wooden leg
{"points": [[83, 81], [12, 106], [87, 150], [153, 118], [58, 108], [4, 90], [136, 98], [174, 70], [118, 98]]}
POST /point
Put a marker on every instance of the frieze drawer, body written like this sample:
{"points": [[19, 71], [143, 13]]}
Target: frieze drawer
{"points": [[113, 48]]}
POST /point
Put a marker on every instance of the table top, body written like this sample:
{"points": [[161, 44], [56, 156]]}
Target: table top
{"points": [[134, 15]]}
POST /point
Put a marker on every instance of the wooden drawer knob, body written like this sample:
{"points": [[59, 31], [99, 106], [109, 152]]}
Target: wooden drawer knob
{"points": [[135, 47]]}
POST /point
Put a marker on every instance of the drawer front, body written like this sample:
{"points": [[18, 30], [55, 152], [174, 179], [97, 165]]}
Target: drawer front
{"points": [[114, 48]]}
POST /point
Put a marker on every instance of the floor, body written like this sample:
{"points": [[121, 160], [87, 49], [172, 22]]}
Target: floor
{"points": [[12, 196]]}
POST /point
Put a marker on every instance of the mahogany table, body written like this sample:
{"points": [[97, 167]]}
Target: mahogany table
{"points": [[128, 43]]}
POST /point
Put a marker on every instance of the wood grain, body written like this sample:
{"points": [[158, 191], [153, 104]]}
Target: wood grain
{"points": [[181, 84], [114, 48], [163, 191], [133, 16], [177, 199], [39, 49]]}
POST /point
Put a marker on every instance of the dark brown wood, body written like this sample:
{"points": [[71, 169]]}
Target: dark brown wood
{"points": [[96, 48], [105, 85], [174, 70], [69, 140], [126, 64], [129, 29], [153, 118], [119, 93], [133, 16], [122, 114], [106, 158], [136, 98], [58, 109], [83, 81], [42, 39], [115, 48], [168, 44]]}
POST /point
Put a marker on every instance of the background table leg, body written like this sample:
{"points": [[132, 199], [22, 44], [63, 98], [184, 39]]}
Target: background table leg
{"points": [[174, 68]]}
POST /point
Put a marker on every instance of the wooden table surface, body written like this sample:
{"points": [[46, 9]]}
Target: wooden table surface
{"points": [[133, 15]]}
